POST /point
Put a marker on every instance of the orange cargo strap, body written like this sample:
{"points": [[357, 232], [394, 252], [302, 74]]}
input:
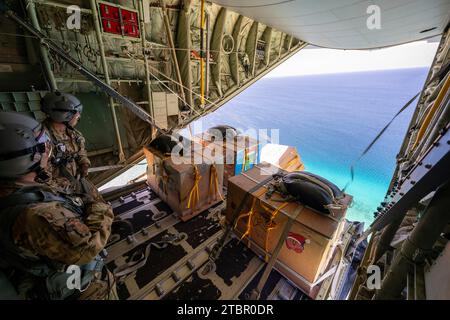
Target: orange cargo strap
{"points": [[214, 183], [270, 226], [194, 196]]}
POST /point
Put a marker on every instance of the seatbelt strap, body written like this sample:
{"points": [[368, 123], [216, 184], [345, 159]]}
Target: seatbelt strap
{"points": [[257, 291], [28, 196]]}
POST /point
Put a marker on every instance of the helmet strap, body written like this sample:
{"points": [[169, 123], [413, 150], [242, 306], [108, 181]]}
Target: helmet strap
{"points": [[68, 125], [41, 174]]}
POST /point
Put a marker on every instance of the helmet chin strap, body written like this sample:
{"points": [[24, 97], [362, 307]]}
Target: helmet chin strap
{"points": [[68, 125], [41, 174]]}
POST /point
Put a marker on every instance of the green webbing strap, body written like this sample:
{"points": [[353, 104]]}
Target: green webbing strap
{"points": [[62, 164]]}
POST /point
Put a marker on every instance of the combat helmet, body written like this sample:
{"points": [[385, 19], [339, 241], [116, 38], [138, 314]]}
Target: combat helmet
{"points": [[61, 107], [22, 143]]}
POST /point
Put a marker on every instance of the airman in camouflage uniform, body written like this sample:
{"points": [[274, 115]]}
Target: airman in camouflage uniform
{"points": [[69, 162], [43, 231]]}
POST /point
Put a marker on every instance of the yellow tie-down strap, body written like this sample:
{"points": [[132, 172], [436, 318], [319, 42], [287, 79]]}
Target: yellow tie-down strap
{"points": [[251, 221], [248, 214], [270, 226], [214, 188], [194, 196]]}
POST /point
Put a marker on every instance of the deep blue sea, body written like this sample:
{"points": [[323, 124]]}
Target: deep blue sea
{"points": [[331, 119]]}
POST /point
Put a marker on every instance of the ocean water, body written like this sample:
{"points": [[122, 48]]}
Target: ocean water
{"points": [[331, 119]]}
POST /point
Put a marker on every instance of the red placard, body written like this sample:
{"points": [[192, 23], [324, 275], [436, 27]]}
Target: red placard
{"points": [[109, 12], [131, 30], [129, 16], [119, 21], [111, 26]]}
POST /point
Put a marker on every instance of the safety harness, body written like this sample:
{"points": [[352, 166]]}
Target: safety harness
{"points": [[62, 157], [52, 274]]}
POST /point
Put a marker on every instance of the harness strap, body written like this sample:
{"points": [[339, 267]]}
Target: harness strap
{"points": [[29, 195], [64, 157]]}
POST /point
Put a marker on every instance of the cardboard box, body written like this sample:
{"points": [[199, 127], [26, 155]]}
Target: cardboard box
{"points": [[310, 243], [282, 156], [187, 188], [239, 154]]}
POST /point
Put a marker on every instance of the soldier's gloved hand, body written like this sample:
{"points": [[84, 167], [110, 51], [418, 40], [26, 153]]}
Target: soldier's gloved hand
{"points": [[84, 170]]}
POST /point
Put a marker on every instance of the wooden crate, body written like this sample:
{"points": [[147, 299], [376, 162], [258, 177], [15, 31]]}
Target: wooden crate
{"points": [[282, 156], [239, 155], [187, 188], [310, 243]]}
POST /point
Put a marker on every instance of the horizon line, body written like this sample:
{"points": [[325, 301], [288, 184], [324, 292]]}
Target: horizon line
{"points": [[344, 72]]}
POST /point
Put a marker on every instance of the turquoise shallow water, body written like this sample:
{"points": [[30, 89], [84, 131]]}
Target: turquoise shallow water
{"points": [[331, 119]]}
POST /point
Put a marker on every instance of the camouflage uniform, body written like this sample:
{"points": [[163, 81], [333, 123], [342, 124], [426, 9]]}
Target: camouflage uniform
{"points": [[68, 157], [49, 232]]}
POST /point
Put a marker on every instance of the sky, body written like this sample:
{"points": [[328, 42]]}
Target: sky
{"points": [[320, 61]]}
